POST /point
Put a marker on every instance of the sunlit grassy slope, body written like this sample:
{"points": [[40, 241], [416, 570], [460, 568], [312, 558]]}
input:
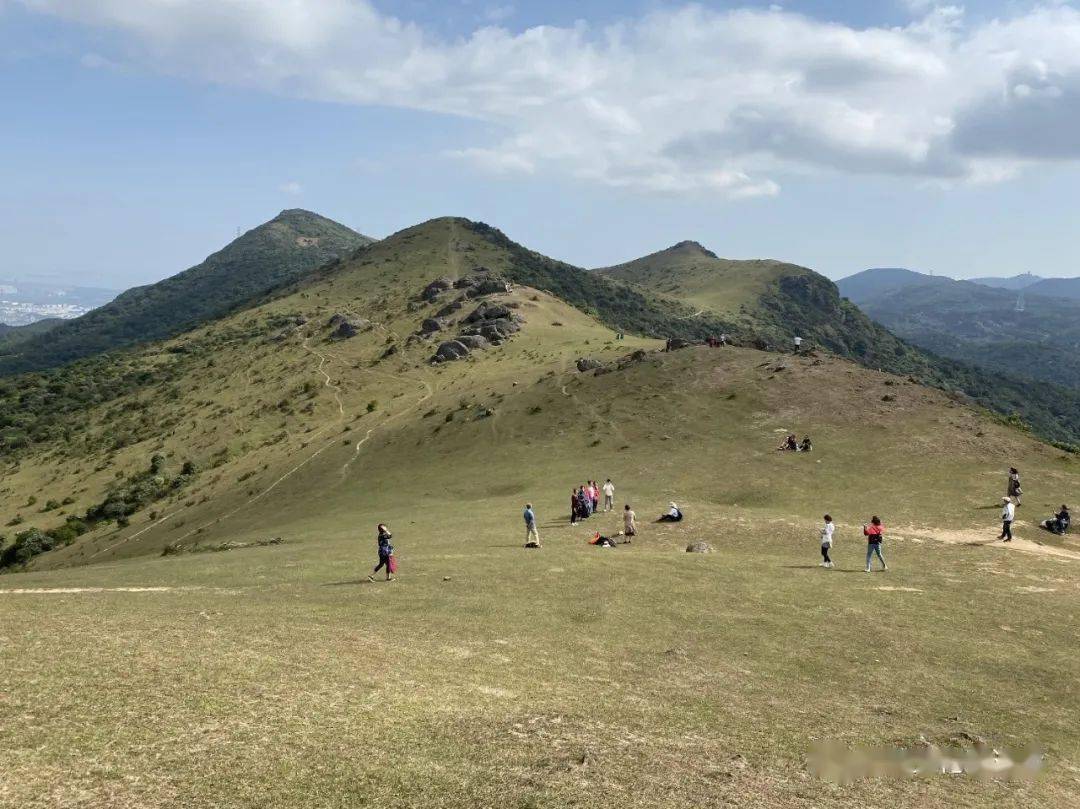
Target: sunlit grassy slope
{"points": [[690, 272], [489, 675]]}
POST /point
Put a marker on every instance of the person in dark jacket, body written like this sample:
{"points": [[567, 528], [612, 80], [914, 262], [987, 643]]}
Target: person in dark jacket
{"points": [[874, 533], [1059, 523], [1014, 491], [386, 552]]}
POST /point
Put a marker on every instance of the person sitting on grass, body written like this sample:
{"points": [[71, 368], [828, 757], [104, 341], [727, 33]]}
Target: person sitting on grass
{"points": [[386, 554], [1059, 523], [602, 541], [875, 533], [672, 515], [789, 444], [806, 445]]}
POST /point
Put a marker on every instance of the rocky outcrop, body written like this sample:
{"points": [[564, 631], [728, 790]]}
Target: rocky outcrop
{"points": [[342, 327], [588, 364], [452, 307], [436, 288], [473, 341]]}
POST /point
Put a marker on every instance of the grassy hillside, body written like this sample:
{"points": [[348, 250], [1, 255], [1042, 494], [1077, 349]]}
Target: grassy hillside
{"points": [[10, 335], [778, 301], [275, 675], [489, 675], [290, 245]]}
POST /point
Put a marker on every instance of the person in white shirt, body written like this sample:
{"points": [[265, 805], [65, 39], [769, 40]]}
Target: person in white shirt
{"points": [[609, 495], [826, 541], [629, 522], [1008, 514]]}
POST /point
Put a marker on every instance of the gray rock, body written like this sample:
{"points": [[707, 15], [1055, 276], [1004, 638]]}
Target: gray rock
{"points": [[451, 350], [432, 325], [588, 364], [488, 286], [349, 328], [391, 350], [436, 287], [451, 307], [489, 311], [473, 341], [699, 547]]}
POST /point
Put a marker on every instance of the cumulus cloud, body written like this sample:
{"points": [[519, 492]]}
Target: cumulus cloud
{"points": [[680, 99], [291, 187]]}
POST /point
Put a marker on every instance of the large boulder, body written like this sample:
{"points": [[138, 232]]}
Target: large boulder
{"points": [[498, 331], [588, 364], [432, 325], [436, 288], [490, 285], [473, 341], [347, 327], [489, 311], [450, 350], [451, 307]]}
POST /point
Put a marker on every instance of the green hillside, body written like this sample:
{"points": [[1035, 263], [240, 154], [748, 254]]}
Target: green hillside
{"points": [[164, 657], [10, 335], [288, 246]]}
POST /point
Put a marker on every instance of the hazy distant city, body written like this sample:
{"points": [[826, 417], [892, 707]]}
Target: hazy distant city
{"points": [[24, 303]]}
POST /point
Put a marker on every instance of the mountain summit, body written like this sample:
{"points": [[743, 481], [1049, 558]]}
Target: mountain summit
{"points": [[289, 246]]}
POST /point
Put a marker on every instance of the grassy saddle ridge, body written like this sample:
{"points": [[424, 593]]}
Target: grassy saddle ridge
{"points": [[287, 247], [489, 675], [251, 398]]}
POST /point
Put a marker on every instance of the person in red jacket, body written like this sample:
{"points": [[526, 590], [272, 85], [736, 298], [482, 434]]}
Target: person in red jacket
{"points": [[874, 533]]}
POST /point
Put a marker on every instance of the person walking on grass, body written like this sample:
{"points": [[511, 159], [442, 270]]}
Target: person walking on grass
{"points": [[875, 533], [1008, 514], [532, 536], [1014, 491], [386, 554], [826, 541], [609, 495], [629, 522]]}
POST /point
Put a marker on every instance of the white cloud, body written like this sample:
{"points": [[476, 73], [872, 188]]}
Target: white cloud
{"points": [[291, 187], [683, 99]]}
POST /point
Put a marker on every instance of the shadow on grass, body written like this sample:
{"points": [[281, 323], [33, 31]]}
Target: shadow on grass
{"points": [[819, 567], [348, 583]]}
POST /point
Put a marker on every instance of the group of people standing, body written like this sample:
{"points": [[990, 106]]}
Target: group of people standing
{"points": [[585, 500]]}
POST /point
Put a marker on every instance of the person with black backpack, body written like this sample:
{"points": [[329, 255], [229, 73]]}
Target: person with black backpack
{"points": [[386, 554]]}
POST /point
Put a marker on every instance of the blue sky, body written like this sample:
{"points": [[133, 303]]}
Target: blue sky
{"points": [[140, 135]]}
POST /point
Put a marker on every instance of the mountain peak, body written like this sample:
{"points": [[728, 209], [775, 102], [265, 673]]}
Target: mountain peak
{"points": [[690, 246]]}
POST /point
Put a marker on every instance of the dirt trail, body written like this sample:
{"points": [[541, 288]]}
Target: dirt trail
{"points": [[429, 391], [980, 538]]}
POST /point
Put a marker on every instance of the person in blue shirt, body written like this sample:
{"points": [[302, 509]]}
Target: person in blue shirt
{"points": [[532, 536]]}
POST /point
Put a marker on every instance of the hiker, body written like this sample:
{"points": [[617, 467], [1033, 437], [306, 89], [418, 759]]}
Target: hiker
{"points": [[609, 495], [1014, 491], [583, 503], [594, 495], [1008, 514], [723, 340], [798, 344], [532, 536], [672, 515], [575, 508], [806, 445], [628, 522], [789, 444], [826, 541], [386, 554], [875, 533], [1059, 523]]}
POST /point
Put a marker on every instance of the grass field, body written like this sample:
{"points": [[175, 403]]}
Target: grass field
{"points": [[488, 675]]}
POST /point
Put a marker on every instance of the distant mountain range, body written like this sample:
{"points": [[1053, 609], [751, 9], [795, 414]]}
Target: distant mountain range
{"points": [[1023, 326]]}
